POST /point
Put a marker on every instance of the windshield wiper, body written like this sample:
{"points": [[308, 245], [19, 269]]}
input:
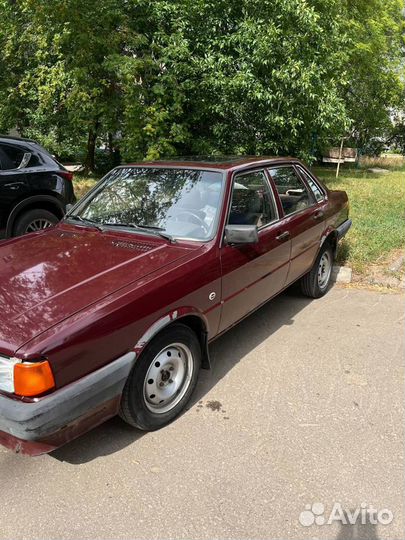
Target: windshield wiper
{"points": [[89, 222], [157, 231]]}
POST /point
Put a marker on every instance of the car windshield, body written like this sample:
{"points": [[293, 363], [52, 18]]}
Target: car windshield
{"points": [[179, 202]]}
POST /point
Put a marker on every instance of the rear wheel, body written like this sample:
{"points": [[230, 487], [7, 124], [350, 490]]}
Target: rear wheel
{"points": [[162, 380], [33, 221], [316, 283]]}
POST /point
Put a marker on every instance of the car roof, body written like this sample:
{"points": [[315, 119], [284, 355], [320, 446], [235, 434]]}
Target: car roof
{"points": [[226, 163], [17, 140]]}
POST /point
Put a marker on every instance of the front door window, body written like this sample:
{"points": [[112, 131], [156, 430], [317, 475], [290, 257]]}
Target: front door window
{"points": [[252, 203]]}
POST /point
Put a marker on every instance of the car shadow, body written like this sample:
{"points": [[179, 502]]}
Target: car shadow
{"points": [[360, 530], [115, 434]]}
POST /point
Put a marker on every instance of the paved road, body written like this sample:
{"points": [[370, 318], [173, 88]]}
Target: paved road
{"points": [[305, 404]]}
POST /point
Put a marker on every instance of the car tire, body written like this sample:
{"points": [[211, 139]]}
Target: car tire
{"points": [[162, 380], [34, 220], [316, 283]]}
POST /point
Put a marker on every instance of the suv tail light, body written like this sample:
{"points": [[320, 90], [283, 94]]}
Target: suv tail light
{"points": [[67, 175]]}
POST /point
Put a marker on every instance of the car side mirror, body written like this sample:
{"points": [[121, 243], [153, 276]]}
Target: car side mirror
{"points": [[241, 234]]}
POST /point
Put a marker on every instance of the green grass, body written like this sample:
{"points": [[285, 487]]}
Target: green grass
{"points": [[377, 208], [82, 184], [378, 212]]}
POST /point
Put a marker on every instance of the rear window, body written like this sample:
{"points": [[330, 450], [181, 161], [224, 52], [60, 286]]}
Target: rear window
{"points": [[10, 156]]}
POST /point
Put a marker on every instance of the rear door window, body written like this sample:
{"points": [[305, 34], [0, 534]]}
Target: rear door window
{"points": [[11, 156], [292, 191]]}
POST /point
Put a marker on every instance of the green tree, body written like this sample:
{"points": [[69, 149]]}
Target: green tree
{"points": [[62, 83], [257, 76], [374, 70], [198, 76]]}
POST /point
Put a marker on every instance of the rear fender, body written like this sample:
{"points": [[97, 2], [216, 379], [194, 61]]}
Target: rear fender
{"points": [[30, 202], [330, 234]]}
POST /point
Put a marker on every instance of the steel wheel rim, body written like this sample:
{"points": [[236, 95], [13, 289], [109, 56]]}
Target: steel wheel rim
{"points": [[38, 225], [168, 378], [324, 270]]}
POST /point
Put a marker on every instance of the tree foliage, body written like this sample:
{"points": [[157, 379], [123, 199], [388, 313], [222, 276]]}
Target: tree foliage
{"points": [[197, 76], [375, 65]]}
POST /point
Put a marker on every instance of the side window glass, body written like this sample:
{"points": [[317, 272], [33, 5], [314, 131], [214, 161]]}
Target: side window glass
{"points": [[252, 203], [293, 193], [316, 190], [32, 160], [10, 156]]}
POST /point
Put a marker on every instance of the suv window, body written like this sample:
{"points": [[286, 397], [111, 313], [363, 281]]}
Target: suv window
{"points": [[316, 190], [252, 202], [293, 193], [10, 156], [32, 160]]}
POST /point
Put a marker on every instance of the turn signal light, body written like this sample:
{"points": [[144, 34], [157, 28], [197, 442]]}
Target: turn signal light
{"points": [[33, 379]]}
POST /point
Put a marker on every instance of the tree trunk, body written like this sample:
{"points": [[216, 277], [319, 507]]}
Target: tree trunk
{"points": [[90, 161], [110, 145]]}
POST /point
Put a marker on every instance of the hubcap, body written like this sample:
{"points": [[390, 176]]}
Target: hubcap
{"points": [[38, 225], [324, 270], [168, 378]]}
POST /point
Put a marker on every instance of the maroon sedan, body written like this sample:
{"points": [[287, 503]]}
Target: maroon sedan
{"points": [[112, 310]]}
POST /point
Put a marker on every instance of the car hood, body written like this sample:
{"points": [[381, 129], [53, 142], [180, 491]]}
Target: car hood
{"points": [[48, 276]]}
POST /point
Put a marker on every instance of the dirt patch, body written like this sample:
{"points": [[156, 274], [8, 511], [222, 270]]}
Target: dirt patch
{"points": [[388, 272]]}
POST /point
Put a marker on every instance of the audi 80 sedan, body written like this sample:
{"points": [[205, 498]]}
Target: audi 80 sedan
{"points": [[112, 310]]}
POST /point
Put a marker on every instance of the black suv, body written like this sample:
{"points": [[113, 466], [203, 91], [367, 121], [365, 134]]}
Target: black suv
{"points": [[34, 187]]}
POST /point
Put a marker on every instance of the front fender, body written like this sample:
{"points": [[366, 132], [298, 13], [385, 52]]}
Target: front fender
{"points": [[176, 315]]}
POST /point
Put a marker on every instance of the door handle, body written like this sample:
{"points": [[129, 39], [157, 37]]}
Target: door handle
{"points": [[318, 214], [14, 185], [283, 236]]}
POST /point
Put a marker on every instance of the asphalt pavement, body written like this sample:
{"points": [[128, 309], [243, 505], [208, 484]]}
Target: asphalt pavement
{"points": [[299, 425]]}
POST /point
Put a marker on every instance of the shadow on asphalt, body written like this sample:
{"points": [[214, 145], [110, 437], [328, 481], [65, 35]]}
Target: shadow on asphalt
{"points": [[360, 530], [226, 352]]}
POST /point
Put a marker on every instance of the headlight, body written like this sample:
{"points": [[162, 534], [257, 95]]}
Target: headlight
{"points": [[7, 373], [25, 378]]}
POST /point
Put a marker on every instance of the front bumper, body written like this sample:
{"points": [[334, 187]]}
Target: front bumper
{"points": [[46, 423]]}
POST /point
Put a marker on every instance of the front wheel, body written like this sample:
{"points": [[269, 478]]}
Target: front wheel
{"points": [[316, 283], [162, 379]]}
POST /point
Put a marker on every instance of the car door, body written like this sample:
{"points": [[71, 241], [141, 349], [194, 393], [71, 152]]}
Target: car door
{"points": [[303, 218], [12, 179], [253, 273]]}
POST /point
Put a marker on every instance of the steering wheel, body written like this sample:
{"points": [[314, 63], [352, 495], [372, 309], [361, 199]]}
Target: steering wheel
{"points": [[197, 220]]}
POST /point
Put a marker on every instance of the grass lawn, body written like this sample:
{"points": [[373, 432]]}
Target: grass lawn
{"points": [[377, 208], [82, 184]]}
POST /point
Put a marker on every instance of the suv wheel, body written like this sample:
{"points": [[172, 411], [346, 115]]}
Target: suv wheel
{"points": [[162, 380], [34, 220]]}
